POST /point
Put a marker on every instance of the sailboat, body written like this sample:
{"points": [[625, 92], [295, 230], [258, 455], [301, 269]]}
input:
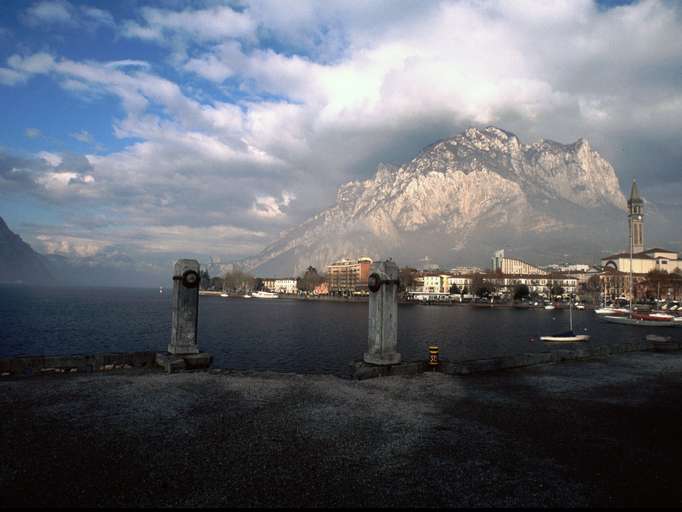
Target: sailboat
{"points": [[568, 336]]}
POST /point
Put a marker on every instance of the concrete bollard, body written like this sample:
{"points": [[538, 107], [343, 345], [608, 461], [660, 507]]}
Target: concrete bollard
{"points": [[383, 314], [185, 308], [183, 349]]}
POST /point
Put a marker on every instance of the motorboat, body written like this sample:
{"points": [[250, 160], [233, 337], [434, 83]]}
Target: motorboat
{"points": [[580, 306], [550, 306], [265, 295], [224, 295], [246, 296]]}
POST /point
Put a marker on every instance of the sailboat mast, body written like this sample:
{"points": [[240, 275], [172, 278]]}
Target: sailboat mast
{"points": [[570, 312], [631, 282]]}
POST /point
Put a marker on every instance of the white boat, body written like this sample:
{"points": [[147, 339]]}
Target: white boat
{"points": [[612, 311], [641, 321], [580, 306], [246, 296], [662, 316], [224, 295], [568, 336], [265, 295], [550, 306]]}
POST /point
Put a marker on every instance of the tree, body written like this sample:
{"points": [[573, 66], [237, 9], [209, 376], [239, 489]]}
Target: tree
{"points": [[310, 279], [406, 276], [521, 291], [238, 281], [205, 279], [556, 290], [258, 284], [215, 283], [454, 289], [478, 285]]}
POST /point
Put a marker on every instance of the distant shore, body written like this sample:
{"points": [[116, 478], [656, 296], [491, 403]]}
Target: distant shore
{"points": [[365, 298]]}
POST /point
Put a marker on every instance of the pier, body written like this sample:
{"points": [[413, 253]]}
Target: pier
{"points": [[603, 432]]}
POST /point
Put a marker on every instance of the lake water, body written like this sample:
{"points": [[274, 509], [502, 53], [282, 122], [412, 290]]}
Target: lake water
{"points": [[281, 335]]}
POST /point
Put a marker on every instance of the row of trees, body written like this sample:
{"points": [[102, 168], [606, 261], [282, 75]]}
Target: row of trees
{"points": [[239, 281]]}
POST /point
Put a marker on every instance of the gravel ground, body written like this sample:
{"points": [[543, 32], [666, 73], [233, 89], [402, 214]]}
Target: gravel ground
{"points": [[600, 433]]}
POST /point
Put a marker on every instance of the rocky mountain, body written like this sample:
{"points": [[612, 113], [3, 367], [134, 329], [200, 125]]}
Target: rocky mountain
{"points": [[459, 200], [19, 263]]}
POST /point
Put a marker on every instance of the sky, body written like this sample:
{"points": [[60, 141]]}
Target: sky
{"points": [[200, 128]]}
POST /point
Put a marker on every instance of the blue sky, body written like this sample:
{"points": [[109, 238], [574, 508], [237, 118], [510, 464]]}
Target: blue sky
{"points": [[149, 127]]}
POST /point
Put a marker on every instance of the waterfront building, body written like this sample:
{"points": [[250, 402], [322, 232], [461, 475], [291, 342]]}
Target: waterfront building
{"points": [[615, 280], [463, 271], [504, 265], [537, 284], [349, 276], [286, 285], [280, 284]]}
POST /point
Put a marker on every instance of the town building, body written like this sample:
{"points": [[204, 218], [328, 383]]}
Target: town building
{"points": [[280, 284], [615, 280], [466, 270], [504, 265], [349, 276]]}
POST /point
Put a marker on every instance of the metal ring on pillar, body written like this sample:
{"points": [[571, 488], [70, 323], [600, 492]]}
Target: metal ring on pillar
{"points": [[190, 279]]}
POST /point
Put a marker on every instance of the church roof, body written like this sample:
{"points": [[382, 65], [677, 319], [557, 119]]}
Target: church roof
{"points": [[634, 194], [644, 255]]}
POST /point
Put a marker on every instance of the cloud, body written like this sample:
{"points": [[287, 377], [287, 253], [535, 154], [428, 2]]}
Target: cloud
{"points": [[83, 136], [33, 133], [50, 12], [268, 108], [60, 13]]}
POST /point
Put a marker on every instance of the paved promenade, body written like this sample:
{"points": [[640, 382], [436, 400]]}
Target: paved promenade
{"points": [[604, 432]]}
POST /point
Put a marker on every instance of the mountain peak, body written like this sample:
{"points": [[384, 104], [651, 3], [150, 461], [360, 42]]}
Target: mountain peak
{"points": [[461, 197]]}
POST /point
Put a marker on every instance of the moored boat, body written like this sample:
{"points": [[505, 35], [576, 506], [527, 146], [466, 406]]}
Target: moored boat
{"points": [[265, 295], [641, 320], [566, 337]]}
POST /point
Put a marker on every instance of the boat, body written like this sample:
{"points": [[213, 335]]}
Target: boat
{"points": [[265, 295], [224, 295], [580, 306], [642, 321], [612, 311], [568, 336], [550, 306], [246, 296]]}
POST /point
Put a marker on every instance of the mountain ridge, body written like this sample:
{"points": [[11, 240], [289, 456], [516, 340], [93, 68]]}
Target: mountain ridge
{"points": [[460, 197]]}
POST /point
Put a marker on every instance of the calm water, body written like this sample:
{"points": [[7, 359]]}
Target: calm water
{"points": [[281, 335]]}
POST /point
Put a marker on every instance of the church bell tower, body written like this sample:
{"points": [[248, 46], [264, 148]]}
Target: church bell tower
{"points": [[636, 218]]}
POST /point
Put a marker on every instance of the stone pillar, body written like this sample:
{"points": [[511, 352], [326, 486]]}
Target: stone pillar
{"points": [[183, 349], [383, 314], [185, 308]]}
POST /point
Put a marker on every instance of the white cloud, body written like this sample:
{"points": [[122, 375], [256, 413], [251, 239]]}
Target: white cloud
{"points": [[82, 136], [52, 158], [50, 12], [33, 133], [345, 85], [210, 24]]}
